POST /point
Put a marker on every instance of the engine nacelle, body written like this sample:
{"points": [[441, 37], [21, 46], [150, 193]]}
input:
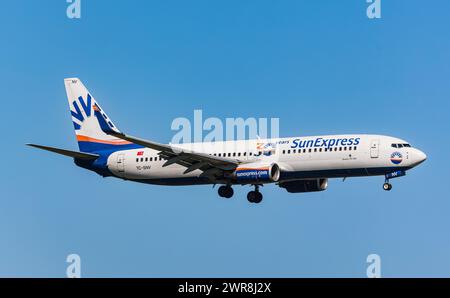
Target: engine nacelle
{"points": [[257, 172], [305, 185]]}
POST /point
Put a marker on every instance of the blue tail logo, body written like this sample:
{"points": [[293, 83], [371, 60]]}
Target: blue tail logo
{"points": [[86, 105]]}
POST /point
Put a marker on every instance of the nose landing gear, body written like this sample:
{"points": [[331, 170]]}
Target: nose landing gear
{"points": [[387, 186], [255, 196]]}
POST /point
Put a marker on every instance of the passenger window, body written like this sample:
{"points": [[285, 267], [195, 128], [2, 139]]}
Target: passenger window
{"points": [[137, 159], [335, 148], [350, 148], [320, 150], [289, 151], [354, 148], [309, 150], [234, 153], [146, 159], [142, 159], [245, 153], [284, 151], [315, 149]]}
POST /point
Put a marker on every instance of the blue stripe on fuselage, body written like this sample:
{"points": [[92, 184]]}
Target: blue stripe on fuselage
{"points": [[338, 173], [94, 147]]}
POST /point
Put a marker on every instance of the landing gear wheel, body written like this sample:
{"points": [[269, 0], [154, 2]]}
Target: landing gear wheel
{"points": [[251, 196], [225, 191], [254, 197], [258, 198], [387, 186]]}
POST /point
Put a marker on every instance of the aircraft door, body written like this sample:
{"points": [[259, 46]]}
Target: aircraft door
{"points": [[374, 148], [121, 163]]}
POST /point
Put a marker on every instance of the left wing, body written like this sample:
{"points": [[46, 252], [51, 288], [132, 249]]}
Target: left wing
{"points": [[213, 167], [70, 153]]}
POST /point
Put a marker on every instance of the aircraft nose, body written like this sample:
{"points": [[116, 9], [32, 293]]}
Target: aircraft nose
{"points": [[420, 156]]}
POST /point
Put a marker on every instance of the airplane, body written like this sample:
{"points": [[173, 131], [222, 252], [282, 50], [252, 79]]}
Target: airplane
{"points": [[297, 164]]}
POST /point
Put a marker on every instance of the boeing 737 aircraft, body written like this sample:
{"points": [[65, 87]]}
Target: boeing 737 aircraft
{"points": [[298, 164]]}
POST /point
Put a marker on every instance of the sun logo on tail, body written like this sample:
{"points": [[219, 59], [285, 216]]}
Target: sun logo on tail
{"points": [[96, 108]]}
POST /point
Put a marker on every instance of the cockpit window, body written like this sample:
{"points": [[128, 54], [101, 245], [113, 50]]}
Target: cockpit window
{"points": [[400, 145]]}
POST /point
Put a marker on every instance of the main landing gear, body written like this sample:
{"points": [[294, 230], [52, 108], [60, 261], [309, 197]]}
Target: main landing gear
{"points": [[225, 191], [255, 196]]}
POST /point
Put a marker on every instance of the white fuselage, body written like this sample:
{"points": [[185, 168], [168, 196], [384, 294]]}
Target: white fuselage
{"points": [[328, 156]]}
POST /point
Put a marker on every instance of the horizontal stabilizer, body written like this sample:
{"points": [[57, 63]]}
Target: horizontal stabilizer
{"points": [[74, 154]]}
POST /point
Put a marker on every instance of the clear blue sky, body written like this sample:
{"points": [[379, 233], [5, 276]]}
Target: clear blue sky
{"points": [[322, 67]]}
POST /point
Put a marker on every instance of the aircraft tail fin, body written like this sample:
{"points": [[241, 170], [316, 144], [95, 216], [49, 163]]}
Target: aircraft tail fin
{"points": [[89, 134]]}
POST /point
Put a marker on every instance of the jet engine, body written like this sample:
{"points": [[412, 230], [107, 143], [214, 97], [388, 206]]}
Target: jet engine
{"points": [[257, 173]]}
